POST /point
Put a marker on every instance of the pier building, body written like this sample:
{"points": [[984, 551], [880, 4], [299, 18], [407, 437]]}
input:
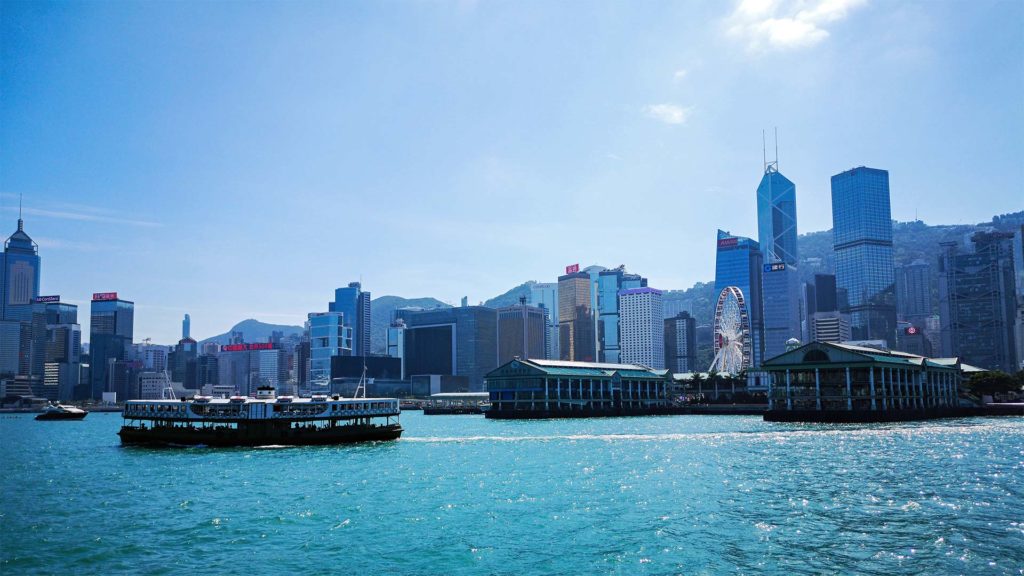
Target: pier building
{"points": [[534, 388], [830, 382]]}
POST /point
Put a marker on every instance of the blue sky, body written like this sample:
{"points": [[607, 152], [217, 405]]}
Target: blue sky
{"points": [[236, 160]]}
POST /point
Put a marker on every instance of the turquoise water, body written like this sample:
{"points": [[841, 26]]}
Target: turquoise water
{"points": [[464, 495]]}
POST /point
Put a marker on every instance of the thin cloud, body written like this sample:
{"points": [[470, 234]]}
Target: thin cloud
{"points": [[47, 243], [786, 25], [85, 216], [668, 113], [679, 75]]}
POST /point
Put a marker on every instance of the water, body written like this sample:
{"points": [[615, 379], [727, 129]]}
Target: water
{"points": [[464, 495]]}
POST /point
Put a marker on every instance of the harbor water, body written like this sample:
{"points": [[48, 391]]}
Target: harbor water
{"points": [[465, 495]]}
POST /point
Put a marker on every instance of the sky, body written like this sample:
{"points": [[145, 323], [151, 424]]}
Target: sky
{"points": [[241, 160]]}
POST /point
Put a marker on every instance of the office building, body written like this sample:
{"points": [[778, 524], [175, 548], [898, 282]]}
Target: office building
{"points": [[642, 327], [241, 367], [522, 332], [273, 369], [207, 372], [824, 322], [577, 335], [914, 291], [186, 327], [777, 238], [545, 295], [978, 302], [862, 241], [55, 350], [780, 293], [19, 286], [609, 284], [681, 344], [831, 326], [328, 336], [182, 362], [354, 305], [738, 263], [451, 341], [110, 344]]}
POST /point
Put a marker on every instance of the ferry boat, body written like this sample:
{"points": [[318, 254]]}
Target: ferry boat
{"points": [[61, 412], [263, 420]]}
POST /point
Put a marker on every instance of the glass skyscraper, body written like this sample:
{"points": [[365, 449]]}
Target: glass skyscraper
{"points": [[862, 240], [776, 230], [609, 284], [738, 263], [328, 336], [110, 343], [354, 304], [576, 330]]}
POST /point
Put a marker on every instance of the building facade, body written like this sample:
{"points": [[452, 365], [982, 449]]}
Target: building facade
{"points": [[862, 241], [20, 266], [681, 343], [545, 295], [553, 388], [328, 336], [451, 341], [577, 335], [354, 305], [914, 291], [738, 263], [522, 332], [609, 284], [112, 322], [642, 327], [978, 302]]}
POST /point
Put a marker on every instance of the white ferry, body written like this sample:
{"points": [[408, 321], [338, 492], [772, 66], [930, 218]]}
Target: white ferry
{"points": [[265, 419]]}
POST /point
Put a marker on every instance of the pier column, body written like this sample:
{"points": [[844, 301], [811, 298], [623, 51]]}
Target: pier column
{"points": [[789, 396], [849, 390], [547, 396], [817, 389], [771, 390], [871, 380]]}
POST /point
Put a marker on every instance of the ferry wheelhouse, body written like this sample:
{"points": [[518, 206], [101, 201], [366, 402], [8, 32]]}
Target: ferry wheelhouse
{"points": [[265, 419]]}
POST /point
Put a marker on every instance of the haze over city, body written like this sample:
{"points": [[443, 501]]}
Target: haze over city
{"points": [[233, 161]]}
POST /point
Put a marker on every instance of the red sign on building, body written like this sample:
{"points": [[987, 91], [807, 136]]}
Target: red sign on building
{"points": [[247, 347], [100, 296], [572, 269], [728, 242]]}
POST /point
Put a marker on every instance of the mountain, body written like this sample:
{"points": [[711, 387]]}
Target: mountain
{"points": [[511, 298], [381, 310], [254, 331]]}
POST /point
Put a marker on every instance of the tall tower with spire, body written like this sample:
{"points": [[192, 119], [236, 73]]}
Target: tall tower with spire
{"points": [[776, 232], [19, 286]]}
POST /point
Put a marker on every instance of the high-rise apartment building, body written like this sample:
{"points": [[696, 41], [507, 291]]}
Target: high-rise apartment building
{"points": [[978, 303], [110, 344], [577, 334], [545, 295], [609, 284], [354, 305], [681, 344], [522, 332], [862, 240], [642, 327], [739, 263]]}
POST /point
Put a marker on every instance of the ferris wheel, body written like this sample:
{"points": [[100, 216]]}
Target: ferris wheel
{"points": [[732, 332]]}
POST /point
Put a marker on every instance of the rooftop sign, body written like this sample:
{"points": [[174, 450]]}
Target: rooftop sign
{"points": [[100, 296], [728, 242], [572, 269], [42, 299], [247, 347]]}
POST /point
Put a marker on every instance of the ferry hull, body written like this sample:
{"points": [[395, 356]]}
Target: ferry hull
{"points": [[257, 435]]}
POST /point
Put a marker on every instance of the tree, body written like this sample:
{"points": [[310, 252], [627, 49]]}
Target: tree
{"points": [[995, 382]]}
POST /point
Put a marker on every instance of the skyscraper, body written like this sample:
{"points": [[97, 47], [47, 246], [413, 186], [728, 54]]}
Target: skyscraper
{"points": [[451, 341], [186, 327], [110, 341], [914, 291], [777, 234], [56, 348], [576, 328], [354, 304], [642, 327], [522, 332], [19, 286], [609, 284], [739, 263], [545, 295], [862, 240], [328, 336], [978, 302], [681, 343], [825, 323]]}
